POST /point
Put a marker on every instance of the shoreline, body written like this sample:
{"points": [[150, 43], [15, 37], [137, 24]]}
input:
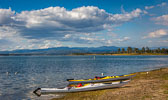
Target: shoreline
{"points": [[147, 85], [87, 54], [124, 54]]}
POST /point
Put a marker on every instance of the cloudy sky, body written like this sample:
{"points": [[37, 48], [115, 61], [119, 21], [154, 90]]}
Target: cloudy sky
{"points": [[38, 24]]}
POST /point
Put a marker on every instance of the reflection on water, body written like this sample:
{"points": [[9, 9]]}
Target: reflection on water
{"points": [[20, 75]]}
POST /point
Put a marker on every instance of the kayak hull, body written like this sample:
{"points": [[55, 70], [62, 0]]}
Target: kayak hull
{"points": [[102, 80], [91, 87]]}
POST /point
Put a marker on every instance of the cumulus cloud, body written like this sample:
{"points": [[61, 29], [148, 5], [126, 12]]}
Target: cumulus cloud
{"points": [[58, 21], [6, 16], [7, 32], [157, 34], [58, 24], [86, 38], [10, 39], [162, 20], [125, 17]]}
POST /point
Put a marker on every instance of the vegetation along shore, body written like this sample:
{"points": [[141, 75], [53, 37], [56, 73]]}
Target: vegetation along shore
{"points": [[150, 85], [132, 51]]}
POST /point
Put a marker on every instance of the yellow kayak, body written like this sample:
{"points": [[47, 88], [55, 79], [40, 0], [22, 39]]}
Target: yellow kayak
{"points": [[101, 79]]}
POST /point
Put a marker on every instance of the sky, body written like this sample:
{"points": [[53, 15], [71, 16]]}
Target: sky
{"points": [[39, 24]]}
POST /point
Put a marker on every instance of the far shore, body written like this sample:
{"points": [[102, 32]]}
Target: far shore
{"points": [[121, 54], [83, 54], [149, 85]]}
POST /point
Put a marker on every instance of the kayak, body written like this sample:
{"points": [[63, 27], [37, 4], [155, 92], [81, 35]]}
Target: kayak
{"points": [[101, 79], [85, 87]]}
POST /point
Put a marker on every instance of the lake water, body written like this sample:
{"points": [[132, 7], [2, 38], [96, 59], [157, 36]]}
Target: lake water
{"points": [[20, 75]]}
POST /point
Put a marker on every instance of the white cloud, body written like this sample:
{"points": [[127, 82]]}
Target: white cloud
{"points": [[67, 36], [22, 43], [59, 21], [126, 16], [109, 42], [162, 20], [6, 16], [47, 44], [145, 12], [124, 39], [157, 34], [149, 7], [7, 32], [163, 41], [162, 4], [10, 39], [45, 27], [158, 5]]}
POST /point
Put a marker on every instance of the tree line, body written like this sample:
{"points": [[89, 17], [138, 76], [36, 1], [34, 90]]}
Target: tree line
{"points": [[143, 50]]}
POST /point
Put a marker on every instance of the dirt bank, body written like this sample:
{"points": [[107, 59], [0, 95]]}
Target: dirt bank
{"points": [[152, 85]]}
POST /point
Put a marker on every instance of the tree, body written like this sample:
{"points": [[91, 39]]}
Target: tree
{"points": [[129, 50], [123, 50], [147, 50], [163, 50], [143, 50], [158, 50], [166, 51], [119, 50], [136, 50]]}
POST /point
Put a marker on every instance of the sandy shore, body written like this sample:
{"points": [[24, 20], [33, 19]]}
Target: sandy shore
{"points": [[152, 85]]}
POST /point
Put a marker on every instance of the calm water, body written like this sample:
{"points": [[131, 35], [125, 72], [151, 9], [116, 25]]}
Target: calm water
{"points": [[20, 75]]}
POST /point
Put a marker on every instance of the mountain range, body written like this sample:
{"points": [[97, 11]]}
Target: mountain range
{"points": [[68, 50], [64, 50]]}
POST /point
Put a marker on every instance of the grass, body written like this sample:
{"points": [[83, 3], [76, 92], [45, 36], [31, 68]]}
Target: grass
{"points": [[165, 76], [146, 96], [165, 87]]}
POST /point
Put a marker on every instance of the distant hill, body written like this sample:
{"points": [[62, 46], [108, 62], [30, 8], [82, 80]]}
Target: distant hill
{"points": [[67, 50], [64, 50]]}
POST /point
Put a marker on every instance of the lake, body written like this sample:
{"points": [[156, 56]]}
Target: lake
{"points": [[20, 75]]}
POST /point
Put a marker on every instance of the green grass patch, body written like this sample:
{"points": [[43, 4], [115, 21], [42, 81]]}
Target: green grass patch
{"points": [[167, 98], [165, 76], [146, 96], [165, 87], [165, 92]]}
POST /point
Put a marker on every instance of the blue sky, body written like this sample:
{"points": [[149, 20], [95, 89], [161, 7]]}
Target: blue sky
{"points": [[38, 24]]}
